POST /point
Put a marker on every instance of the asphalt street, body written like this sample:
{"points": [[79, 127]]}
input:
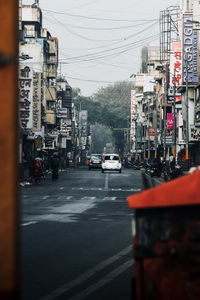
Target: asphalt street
{"points": [[76, 240]]}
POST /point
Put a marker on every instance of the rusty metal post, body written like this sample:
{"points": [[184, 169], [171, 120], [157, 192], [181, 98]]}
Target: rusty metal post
{"points": [[9, 287]]}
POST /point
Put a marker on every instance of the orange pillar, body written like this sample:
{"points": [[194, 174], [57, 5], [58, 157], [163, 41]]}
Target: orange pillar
{"points": [[8, 150]]}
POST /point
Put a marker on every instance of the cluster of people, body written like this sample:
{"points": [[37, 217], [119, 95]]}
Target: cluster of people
{"points": [[38, 168]]}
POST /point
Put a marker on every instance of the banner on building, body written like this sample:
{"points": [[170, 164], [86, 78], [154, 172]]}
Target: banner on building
{"points": [[36, 101], [170, 121], [190, 48], [133, 105]]}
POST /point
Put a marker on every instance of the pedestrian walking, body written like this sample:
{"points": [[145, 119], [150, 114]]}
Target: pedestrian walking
{"points": [[37, 170], [55, 166]]}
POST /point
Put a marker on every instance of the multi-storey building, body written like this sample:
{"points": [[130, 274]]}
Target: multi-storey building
{"points": [[66, 120], [38, 61], [175, 97], [145, 111]]}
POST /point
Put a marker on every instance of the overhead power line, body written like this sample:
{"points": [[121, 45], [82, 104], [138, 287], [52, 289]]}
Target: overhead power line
{"points": [[105, 28], [96, 18], [124, 48], [89, 80]]}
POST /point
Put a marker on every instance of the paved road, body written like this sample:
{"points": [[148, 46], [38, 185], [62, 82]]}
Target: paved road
{"points": [[76, 238]]}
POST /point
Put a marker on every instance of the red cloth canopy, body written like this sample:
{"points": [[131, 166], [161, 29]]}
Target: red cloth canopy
{"points": [[182, 191]]}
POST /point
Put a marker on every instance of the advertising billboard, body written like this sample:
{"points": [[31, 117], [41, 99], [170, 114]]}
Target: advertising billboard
{"points": [[190, 48]]}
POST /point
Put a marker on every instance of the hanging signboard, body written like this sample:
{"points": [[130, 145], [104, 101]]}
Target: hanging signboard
{"points": [[175, 74], [194, 134], [62, 112]]}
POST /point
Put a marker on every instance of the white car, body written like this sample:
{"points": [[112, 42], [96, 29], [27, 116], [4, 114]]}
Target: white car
{"points": [[111, 162]]}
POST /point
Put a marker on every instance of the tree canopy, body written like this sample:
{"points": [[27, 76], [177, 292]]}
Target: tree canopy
{"points": [[109, 106]]}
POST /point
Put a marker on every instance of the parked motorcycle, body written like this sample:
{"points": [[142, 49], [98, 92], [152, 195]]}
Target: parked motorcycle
{"points": [[136, 165], [175, 171], [155, 171], [155, 168]]}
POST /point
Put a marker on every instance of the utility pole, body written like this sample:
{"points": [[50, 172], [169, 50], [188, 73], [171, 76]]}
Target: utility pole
{"points": [[187, 119], [135, 120], [156, 125], [164, 122], [128, 135], [174, 118], [80, 142], [149, 150]]}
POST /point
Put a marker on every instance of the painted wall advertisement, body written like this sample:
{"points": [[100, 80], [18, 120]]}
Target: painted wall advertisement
{"points": [[30, 86], [190, 48], [26, 94]]}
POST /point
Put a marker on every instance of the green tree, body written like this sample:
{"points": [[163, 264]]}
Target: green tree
{"points": [[110, 106], [115, 103], [101, 135]]}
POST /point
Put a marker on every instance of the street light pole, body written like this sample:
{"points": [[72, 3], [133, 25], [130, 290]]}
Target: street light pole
{"points": [[135, 120]]}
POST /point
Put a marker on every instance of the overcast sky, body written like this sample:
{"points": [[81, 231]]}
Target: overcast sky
{"points": [[100, 40]]}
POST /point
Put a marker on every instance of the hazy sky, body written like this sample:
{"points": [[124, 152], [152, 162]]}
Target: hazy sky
{"points": [[100, 40]]}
